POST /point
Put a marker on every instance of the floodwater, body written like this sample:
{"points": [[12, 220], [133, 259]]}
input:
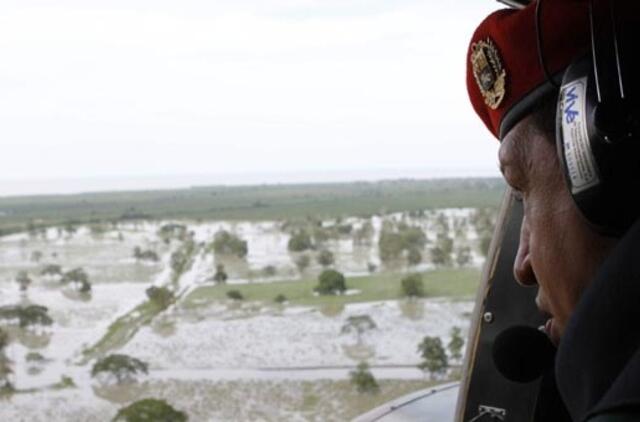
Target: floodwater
{"points": [[213, 349]]}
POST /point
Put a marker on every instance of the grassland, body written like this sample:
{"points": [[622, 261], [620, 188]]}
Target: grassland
{"points": [[264, 202], [453, 283]]}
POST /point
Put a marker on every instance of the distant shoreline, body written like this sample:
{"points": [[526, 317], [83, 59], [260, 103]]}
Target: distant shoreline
{"points": [[135, 183]]}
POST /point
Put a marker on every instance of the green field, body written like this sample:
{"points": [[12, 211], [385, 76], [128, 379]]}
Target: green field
{"points": [[454, 283], [263, 202]]}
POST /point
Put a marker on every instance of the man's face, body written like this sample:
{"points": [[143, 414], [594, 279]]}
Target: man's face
{"points": [[558, 251]]}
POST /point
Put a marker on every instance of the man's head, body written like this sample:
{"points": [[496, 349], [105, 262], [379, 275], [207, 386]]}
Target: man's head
{"points": [[510, 90], [558, 251]]}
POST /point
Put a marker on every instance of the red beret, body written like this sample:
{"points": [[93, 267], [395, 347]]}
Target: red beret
{"points": [[504, 74]]}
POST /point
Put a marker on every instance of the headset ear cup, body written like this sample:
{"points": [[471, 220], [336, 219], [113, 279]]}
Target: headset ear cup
{"points": [[601, 166]]}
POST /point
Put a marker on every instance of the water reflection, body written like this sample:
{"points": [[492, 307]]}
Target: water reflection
{"points": [[359, 352], [30, 338], [412, 309], [164, 326], [331, 310], [121, 393]]}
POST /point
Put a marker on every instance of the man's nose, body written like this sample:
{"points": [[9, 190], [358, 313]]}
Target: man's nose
{"points": [[522, 269]]}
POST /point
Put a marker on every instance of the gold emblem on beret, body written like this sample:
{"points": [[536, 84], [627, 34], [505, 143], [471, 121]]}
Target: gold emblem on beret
{"points": [[488, 72]]}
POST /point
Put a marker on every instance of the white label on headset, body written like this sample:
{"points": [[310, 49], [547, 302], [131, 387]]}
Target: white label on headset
{"points": [[577, 150]]}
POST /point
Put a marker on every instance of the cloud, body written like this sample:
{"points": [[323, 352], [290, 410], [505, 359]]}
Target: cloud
{"points": [[141, 86]]}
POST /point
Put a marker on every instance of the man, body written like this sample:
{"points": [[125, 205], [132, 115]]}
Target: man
{"points": [[588, 281]]}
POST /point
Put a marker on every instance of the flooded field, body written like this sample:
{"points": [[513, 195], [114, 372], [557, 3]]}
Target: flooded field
{"points": [[162, 292]]}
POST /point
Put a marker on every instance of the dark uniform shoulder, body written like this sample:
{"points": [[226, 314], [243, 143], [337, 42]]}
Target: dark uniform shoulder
{"points": [[626, 416]]}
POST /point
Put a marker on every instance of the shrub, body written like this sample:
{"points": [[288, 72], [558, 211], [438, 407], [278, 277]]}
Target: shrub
{"points": [[280, 298], [150, 410], [302, 262], [330, 282], [220, 275], [412, 286], [161, 296], [235, 295], [269, 271], [364, 380], [23, 280], [123, 368]]}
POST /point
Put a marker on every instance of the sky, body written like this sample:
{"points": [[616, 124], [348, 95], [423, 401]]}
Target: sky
{"points": [[155, 93]]}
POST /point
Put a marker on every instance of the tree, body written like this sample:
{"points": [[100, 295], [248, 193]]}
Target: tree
{"points": [[225, 243], [364, 380], [78, 278], [76, 274], [330, 282], [390, 245], [412, 285], [363, 235], [51, 269], [26, 315], [456, 343], [172, 231], [434, 356], [220, 276], [300, 241], [179, 261], [442, 224], [23, 280], [439, 256], [445, 243], [414, 257], [150, 410], [161, 296], [4, 339], [98, 229], [280, 299], [122, 368], [70, 228], [147, 255], [325, 258], [393, 241], [463, 256], [303, 262], [269, 271], [6, 386], [358, 324], [36, 256], [235, 295]]}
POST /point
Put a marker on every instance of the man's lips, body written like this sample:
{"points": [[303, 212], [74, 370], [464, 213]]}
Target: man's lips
{"points": [[551, 330]]}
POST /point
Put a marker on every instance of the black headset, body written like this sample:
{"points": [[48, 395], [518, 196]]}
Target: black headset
{"points": [[598, 126]]}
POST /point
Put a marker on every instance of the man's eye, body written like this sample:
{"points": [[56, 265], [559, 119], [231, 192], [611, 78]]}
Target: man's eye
{"points": [[517, 195]]}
